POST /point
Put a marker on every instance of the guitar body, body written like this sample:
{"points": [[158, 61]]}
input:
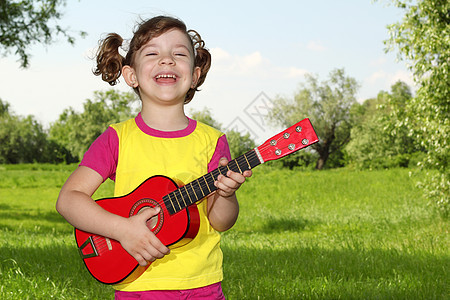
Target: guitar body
{"points": [[105, 258]]}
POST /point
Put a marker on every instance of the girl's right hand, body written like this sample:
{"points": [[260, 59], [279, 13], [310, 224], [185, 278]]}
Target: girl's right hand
{"points": [[139, 241]]}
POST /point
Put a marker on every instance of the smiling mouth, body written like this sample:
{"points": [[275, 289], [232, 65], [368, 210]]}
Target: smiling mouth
{"points": [[166, 78]]}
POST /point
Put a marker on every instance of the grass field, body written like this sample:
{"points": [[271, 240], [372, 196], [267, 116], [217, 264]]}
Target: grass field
{"points": [[335, 234]]}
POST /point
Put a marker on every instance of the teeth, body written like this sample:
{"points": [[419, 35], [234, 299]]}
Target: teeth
{"points": [[166, 76]]}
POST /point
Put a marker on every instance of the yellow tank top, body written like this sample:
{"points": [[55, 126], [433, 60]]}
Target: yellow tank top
{"points": [[183, 156]]}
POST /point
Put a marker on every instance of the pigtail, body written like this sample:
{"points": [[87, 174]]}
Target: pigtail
{"points": [[202, 60], [109, 60]]}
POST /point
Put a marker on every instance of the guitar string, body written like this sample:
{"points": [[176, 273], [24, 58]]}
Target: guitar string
{"points": [[248, 156], [99, 243], [202, 185]]}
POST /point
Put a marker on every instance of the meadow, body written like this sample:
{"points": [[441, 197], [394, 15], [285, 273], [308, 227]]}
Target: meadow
{"points": [[333, 234]]}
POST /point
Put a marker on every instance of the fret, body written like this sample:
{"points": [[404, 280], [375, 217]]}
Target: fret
{"points": [[188, 196], [232, 166], [203, 193], [206, 184], [253, 158], [196, 197], [240, 171], [182, 198], [170, 199], [245, 156], [178, 201]]}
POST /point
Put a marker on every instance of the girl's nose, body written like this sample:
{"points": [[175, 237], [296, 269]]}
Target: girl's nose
{"points": [[167, 60]]}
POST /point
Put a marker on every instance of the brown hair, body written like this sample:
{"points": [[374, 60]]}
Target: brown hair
{"points": [[110, 61]]}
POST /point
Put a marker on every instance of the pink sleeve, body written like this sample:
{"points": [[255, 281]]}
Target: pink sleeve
{"points": [[222, 150], [102, 154]]}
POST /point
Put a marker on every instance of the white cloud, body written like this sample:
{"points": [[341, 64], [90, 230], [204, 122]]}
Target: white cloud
{"points": [[378, 62], [390, 78], [383, 80], [238, 65], [404, 76], [293, 72], [219, 54], [253, 64], [315, 46], [376, 76], [252, 60]]}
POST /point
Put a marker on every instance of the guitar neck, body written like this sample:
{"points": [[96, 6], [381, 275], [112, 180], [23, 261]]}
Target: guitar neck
{"points": [[203, 186], [294, 138]]}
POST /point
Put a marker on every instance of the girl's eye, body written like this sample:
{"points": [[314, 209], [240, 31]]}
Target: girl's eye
{"points": [[180, 54], [151, 53]]}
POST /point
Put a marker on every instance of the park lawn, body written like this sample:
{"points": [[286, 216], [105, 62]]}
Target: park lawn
{"points": [[334, 234]]}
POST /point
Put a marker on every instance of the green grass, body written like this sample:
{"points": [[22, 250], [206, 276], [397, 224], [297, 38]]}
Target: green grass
{"points": [[334, 234]]}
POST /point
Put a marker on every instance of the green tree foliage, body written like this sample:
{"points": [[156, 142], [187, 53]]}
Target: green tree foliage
{"points": [[379, 137], [23, 140], [422, 38], [26, 22], [205, 116], [77, 130], [328, 105], [239, 143]]}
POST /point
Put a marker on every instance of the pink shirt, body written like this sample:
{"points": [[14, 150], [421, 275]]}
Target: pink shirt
{"points": [[102, 155]]}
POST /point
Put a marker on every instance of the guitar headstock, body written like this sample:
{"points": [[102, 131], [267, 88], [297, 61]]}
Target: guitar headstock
{"points": [[296, 137]]}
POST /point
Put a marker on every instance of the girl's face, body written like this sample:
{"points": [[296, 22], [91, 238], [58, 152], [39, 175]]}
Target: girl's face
{"points": [[164, 68]]}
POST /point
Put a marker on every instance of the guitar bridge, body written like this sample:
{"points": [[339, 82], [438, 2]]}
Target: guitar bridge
{"points": [[88, 242]]}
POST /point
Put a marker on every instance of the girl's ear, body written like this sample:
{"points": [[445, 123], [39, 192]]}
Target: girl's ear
{"points": [[129, 76], [195, 77]]}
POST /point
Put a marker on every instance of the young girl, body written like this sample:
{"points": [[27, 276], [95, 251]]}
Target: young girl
{"points": [[165, 65]]}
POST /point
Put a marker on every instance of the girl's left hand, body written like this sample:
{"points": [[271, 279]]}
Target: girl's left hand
{"points": [[227, 185]]}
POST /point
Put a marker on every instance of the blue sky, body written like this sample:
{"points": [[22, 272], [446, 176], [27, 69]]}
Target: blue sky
{"points": [[258, 48]]}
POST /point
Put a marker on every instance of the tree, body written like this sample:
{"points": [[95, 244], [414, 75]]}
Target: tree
{"points": [[422, 38], [23, 140], [205, 116], [76, 131], [375, 141], [327, 104], [239, 143], [26, 22]]}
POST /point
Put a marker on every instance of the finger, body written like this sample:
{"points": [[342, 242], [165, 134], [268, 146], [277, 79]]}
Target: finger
{"points": [[156, 247], [223, 161], [158, 251], [224, 190], [153, 253], [140, 259], [237, 177], [149, 257], [148, 211]]}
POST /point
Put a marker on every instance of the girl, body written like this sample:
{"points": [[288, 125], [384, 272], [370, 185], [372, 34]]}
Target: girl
{"points": [[165, 65]]}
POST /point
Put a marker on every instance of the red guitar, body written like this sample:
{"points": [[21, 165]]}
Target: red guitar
{"points": [[178, 220]]}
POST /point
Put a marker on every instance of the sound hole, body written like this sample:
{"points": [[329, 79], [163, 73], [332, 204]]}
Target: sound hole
{"points": [[152, 222], [155, 222]]}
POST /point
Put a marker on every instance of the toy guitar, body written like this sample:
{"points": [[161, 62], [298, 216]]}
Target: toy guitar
{"points": [[178, 221]]}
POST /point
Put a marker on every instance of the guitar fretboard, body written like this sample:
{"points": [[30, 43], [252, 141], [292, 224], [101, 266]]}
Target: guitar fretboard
{"points": [[203, 186]]}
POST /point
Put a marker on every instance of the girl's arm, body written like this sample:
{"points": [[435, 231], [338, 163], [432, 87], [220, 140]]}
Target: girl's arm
{"points": [[76, 205], [223, 207]]}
